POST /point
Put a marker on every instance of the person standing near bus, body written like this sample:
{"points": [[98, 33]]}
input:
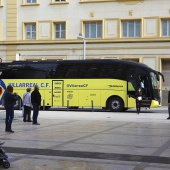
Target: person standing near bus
{"points": [[138, 99], [27, 105], [169, 104], [36, 103], [9, 102]]}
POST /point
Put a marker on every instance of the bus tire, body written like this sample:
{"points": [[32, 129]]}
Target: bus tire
{"points": [[115, 104]]}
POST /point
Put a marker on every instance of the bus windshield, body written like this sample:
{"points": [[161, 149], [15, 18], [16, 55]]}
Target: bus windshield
{"points": [[154, 80]]}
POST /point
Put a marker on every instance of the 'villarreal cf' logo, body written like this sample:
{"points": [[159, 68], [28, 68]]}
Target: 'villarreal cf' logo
{"points": [[2, 90]]}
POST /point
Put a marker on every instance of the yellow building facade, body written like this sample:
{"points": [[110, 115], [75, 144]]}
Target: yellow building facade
{"points": [[137, 30]]}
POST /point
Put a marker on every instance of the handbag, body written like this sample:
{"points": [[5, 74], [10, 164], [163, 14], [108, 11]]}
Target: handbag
{"points": [[139, 98]]}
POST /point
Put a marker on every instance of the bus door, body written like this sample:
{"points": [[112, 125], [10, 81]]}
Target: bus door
{"points": [[57, 93], [131, 86]]}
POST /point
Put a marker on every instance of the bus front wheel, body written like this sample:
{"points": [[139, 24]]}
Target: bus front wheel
{"points": [[115, 104]]}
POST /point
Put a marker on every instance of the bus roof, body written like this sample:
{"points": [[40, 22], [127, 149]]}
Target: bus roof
{"points": [[104, 61]]}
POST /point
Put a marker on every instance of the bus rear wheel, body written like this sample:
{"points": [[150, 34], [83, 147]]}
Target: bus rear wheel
{"points": [[115, 104]]}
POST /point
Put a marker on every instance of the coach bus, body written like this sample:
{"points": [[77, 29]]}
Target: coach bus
{"points": [[109, 84]]}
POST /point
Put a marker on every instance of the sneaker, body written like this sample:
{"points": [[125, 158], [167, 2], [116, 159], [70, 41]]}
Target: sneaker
{"points": [[11, 131], [6, 130], [168, 118], [29, 120]]}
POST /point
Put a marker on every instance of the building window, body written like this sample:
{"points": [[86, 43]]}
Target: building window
{"points": [[58, 2], [131, 29], [165, 28], [30, 31], [31, 1], [93, 29], [60, 30]]}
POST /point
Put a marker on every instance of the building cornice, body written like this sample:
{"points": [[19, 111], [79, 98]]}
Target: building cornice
{"points": [[143, 40]]}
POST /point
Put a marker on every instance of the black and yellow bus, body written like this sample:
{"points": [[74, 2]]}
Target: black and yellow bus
{"points": [[109, 84]]}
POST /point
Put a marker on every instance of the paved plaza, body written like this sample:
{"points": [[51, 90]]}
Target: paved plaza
{"points": [[89, 140]]}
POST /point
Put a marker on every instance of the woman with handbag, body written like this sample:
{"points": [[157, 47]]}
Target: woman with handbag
{"points": [[138, 99]]}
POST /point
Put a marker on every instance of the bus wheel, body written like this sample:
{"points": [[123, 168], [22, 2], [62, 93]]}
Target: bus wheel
{"points": [[115, 104]]}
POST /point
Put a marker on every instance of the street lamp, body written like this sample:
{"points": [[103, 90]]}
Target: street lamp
{"points": [[84, 45]]}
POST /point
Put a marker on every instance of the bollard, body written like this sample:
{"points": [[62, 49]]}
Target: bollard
{"points": [[43, 104], [92, 105], [67, 105]]}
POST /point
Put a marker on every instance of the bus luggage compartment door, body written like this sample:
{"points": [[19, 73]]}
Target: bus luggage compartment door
{"points": [[57, 93]]}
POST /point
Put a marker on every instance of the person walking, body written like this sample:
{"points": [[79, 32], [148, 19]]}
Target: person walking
{"points": [[27, 105], [138, 99], [10, 99], [36, 103], [169, 104]]}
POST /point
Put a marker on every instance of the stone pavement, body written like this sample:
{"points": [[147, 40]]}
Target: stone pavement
{"points": [[79, 140]]}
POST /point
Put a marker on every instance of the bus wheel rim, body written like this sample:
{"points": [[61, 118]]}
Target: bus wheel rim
{"points": [[115, 105]]}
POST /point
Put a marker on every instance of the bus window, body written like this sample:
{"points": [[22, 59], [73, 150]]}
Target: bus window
{"points": [[71, 73], [154, 80]]}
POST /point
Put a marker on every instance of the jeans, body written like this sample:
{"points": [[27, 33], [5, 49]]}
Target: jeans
{"points": [[35, 112], [9, 118], [169, 110]]}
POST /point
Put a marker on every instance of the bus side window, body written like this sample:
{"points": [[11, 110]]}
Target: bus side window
{"points": [[60, 71], [131, 78], [71, 73], [9, 74], [93, 71], [130, 87]]}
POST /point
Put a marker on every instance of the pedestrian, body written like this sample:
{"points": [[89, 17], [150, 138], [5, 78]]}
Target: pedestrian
{"points": [[36, 103], [27, 105], [169, 104], [138, 99], [10, 99]]}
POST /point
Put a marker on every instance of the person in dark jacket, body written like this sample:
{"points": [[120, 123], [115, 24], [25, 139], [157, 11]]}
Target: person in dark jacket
{"points": [[138, 99], [9, 102], [169, 104], [36, 103]]}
